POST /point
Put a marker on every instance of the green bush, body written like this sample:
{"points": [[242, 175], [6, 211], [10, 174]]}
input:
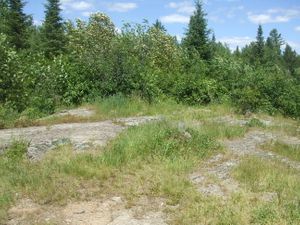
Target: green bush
{"points": [[193, 89]]}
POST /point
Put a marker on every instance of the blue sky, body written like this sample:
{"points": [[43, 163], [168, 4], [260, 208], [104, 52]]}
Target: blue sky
{"points": [[233, 21]]}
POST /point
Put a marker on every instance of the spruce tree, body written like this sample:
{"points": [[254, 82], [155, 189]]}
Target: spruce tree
{"points": [[18, 24], [213, 39], [4, 16], [259, 45], [197, 35], [273, 47], [290, 60], [53, 30], [158, 25], [275, 41]]}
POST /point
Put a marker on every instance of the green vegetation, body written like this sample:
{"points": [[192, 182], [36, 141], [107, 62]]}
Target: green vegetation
{"points": [[254, 122], [290, 151], [261, 176], [154, 158], [53, 31], [66, 63], [271, 197], [197, 35], [143, 70]]}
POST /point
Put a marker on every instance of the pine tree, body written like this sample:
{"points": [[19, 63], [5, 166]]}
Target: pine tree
{"points": [[53, 30], [158, 25], [290, 60], [259, 45], [197, 35], [18, 24]]}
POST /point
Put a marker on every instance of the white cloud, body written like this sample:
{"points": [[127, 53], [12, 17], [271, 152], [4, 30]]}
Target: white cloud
{"points": [[297, 28], [118, 30], [37, 22], [87, 13], [183, 11], [185, 7], [220, 15], [233, 42], [65, 1], [294, 45], [175, 18], [121, 6], [179, 38], [81, 5], [76, 5], [274, 16]]}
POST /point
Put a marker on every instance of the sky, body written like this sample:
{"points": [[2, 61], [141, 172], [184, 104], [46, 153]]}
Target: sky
{"points": [[234, 22]]}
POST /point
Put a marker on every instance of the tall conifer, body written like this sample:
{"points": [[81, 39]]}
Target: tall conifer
{"points": [[18, 23], [197, 35], [290, 59], [4, 16], [53, 30], [259, 45]]}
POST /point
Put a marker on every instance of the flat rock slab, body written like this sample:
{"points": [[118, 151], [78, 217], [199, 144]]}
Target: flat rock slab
{"points": [[96, 212], [80, 135]]}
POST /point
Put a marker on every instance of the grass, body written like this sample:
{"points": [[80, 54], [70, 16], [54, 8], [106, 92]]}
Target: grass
{"points": [[108, 108], [260, 176], [153, 160], [290, 151], [114, 107], [254, 122], [284, 125], [247, 206]]}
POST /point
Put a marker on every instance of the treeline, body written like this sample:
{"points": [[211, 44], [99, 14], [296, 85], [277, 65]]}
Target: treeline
{"points": [[64, 63]]}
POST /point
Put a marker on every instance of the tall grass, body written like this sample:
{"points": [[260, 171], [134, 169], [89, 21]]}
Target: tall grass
{"points": [[261, 176], [162, 140], [290, 151]]}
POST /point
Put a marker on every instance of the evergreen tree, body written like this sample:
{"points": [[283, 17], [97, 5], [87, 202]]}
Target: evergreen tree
{"points": [[35, 39], [197, 35], [237, 52], [4, 16], [18, 24], [158, 25], [213, 39], [273, 48], [53, 30], [275, 41], [213, 44], [290, 60], [259, 45]]}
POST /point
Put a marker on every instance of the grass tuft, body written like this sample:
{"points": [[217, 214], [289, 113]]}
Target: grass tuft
{"points": [[290, 151]]}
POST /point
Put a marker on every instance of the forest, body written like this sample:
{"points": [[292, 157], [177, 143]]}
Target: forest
{"points": [[65, 63]]}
